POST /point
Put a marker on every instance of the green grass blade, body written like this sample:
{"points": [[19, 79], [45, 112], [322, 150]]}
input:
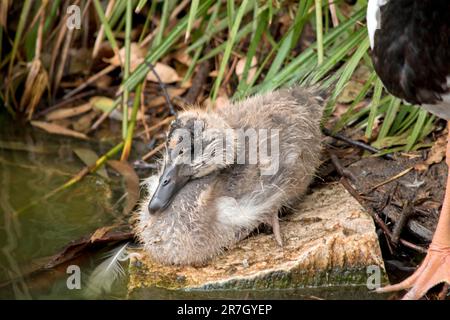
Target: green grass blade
{"points": [[263, 22], [141, 5], [319, 31], [129, 137], [374, 107], [290, 40], [156, 53], [417, 129], [228, 48], [191, 19], [126, 71], [162, 24], [18, 36], [389, 118], [108, 31]]}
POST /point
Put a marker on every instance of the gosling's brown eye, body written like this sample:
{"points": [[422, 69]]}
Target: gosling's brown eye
{"points": [[181, 152]]}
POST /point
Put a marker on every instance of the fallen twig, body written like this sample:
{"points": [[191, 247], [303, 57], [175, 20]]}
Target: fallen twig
{"points": [[142, 108], [369, 209], [399, 175], [406, 213], [163, 89], [153, 152], [344, 172], [355, 143], [65, 102], [156, 126], [91, 79]]}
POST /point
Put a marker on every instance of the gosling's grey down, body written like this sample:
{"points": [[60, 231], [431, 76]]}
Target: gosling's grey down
{"points": [[195, 209]]}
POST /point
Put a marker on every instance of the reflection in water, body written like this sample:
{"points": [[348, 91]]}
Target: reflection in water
{"points": [[12, 231], [28, 171]]}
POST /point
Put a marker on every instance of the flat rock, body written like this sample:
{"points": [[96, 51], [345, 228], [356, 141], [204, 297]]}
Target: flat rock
{"points": [[329, 240]]}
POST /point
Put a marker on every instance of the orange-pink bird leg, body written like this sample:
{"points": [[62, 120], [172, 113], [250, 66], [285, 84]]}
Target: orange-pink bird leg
{"points": [[435, 268]]}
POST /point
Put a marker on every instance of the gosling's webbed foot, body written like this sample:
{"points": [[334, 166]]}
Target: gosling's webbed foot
{"points": [[275, 223]]}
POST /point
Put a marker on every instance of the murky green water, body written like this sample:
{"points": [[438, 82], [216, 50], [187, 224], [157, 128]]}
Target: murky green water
{"points": [[32, 164]]}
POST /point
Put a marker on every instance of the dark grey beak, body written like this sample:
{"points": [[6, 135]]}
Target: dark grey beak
{"points": [[169, 184]]}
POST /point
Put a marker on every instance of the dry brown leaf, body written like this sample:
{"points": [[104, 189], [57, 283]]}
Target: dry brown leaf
{"points": [[166, 73], [35, 85], [68, 112], [160, 100], [436, 154], [131, 182], [251, 71], [222, 101], [57, 129], [182, 57], [100, 233], [136, 57], [4, 13], [80, 61], [155, 102], [104, 82], [66, 123], [83, 123]]}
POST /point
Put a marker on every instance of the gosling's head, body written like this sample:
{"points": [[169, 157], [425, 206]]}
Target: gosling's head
{"points": [[198, 144]]}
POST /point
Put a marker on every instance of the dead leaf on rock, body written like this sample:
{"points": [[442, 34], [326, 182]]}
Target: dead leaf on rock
{"points": [[57, 129]]}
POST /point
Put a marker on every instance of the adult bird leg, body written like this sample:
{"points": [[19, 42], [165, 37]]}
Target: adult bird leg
{"points": [[435, 268]]}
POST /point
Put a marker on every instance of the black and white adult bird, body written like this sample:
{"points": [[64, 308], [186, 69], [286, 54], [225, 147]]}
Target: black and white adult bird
{"points": [[410, 41]]}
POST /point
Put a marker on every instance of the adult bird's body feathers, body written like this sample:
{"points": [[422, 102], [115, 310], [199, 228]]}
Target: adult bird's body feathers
{"points": [[411, 50]]}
